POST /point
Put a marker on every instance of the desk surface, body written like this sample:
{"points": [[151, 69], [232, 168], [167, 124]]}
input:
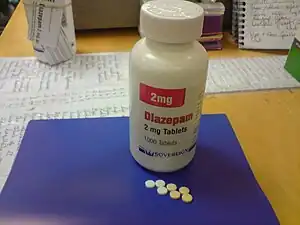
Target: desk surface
{"points": [[267, 123]]}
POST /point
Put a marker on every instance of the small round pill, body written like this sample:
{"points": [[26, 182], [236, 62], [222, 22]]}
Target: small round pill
{"points": [[175, 194], [184, 190], [160, 183], [149, 184], [162, 190], [171, 187], [187, 198]]}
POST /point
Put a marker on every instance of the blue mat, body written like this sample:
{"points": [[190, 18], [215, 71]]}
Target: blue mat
{"points": [[80, 172]]}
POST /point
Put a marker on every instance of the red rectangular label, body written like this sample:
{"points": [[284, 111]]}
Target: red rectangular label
{"points": [[169, 98]]}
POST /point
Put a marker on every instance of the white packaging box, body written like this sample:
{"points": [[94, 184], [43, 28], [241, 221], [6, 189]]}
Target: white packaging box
{"points": [[51, 29]]}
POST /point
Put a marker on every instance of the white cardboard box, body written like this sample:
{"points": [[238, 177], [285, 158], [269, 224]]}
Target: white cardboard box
{"points": [[51, 29]]}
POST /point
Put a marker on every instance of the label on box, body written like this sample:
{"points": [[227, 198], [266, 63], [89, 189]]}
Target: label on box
{"points": [[45, 21], [51, 26], [51, 29]]}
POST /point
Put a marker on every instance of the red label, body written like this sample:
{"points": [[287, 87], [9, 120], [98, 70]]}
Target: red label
{"points": [[169, 98]]}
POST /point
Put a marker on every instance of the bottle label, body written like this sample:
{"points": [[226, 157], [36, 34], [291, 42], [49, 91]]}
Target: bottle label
{"points": [[169, 98], [170, 120]]}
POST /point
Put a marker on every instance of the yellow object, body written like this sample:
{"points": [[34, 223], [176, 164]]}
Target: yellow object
{"points": [[171, 187], [160, 183], [162, 190], [184, 190], [175, 194], [187, 198]]}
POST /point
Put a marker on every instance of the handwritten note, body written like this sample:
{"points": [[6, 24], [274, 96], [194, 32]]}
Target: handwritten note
{"points": [[46, 101], [271, 24], [83, 72]]}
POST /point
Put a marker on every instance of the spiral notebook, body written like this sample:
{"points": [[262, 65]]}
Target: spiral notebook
{"points": [[265, 24]]}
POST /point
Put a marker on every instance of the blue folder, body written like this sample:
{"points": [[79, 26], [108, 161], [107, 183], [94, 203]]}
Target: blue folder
{"points": [[80, 172]]}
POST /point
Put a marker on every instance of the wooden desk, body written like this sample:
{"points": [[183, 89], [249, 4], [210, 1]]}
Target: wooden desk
{"points": [[267, 123]]}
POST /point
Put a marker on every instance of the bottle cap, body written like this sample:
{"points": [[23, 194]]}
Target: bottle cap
{"points": [[172, 21]]}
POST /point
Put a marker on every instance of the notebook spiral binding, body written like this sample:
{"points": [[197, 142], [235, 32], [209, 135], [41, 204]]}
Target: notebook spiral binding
{"points": [[241, 13], [238, 21], [234, 20]]}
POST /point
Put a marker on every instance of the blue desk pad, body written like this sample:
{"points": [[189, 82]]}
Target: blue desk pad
{"points": [[80, 172]]}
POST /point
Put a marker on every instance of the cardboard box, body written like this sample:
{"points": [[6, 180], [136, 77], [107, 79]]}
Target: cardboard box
{"points": [[51, 29], [292, 64]]}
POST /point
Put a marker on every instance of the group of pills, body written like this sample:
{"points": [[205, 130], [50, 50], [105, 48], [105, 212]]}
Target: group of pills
{"points": [[163, 189]]}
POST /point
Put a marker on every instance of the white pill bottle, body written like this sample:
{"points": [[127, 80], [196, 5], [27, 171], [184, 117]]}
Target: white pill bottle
{"points": [[168, 70]]}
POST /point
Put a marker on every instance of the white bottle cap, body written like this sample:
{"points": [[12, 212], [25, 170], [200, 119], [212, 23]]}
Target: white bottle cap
{"points": [[172, 21]]}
